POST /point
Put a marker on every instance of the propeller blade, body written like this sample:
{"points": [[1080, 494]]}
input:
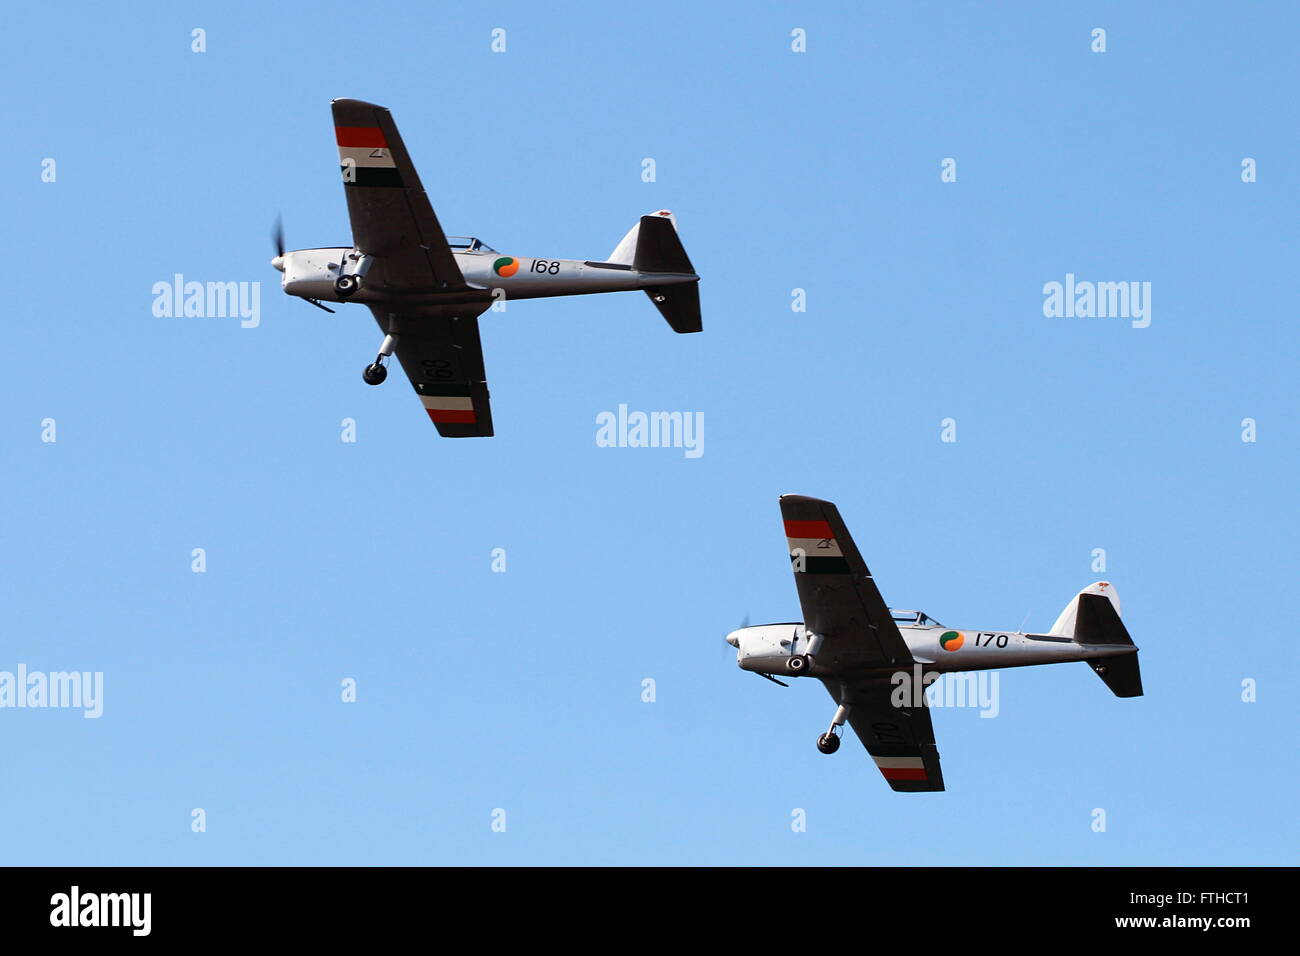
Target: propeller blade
{"points": [[277, 236], [744, 622]]}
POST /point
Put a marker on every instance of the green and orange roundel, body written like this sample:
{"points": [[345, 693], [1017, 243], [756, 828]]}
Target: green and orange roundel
{"points": [[952, 640], [506, 266]]}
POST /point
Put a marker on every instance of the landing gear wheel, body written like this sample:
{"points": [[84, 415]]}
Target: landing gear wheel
{"points": [[828, 743], [345, 286], [374, 374], [798, 664]]}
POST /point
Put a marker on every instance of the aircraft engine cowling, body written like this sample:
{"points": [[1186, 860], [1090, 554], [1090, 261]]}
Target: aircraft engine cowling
{"points": [[310, 273], [768, 648]]}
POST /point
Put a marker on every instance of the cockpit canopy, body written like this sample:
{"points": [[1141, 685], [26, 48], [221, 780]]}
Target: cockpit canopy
{"points": [[913, 619], [469, 244]]}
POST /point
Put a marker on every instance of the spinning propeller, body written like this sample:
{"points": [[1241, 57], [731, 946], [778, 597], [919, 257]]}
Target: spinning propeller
{"points": [[277, 240], [744, 623]]}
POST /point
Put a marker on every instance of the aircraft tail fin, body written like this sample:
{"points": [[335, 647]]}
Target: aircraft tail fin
{"points": [[624, 253], [1065, 624], [652, 246], [1093, 618]]}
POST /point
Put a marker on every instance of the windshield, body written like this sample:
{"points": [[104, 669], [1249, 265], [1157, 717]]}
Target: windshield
{"points": [[913, 619], [468, 244]]}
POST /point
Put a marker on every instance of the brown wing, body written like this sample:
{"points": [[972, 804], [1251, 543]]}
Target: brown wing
{"points": [[443, 357], [392, 219], [899, 739], [840, 600]]}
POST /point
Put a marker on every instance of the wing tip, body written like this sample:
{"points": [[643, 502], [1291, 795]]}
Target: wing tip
{"points": [[800, 503], [348, 101]]}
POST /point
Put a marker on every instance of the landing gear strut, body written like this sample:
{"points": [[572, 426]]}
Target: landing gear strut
{"points": [[348, 285], [829, 742], [802, 663], [376, 372]]}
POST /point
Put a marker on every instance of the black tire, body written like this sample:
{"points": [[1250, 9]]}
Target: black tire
{"points": [[345, 286], [374, 374], [798, 664], [828, 743]]}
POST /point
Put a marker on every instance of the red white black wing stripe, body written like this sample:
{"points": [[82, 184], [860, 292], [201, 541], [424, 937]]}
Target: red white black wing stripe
{"points": [[365, 158], [813, 548], [447, 404], [901, 768]]}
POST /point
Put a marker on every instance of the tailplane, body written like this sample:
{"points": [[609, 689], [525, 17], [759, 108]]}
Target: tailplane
{"points": [[1092, 618], [652, 246]]}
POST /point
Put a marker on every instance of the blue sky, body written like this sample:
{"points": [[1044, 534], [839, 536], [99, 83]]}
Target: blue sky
{"points": [[372, 560]]}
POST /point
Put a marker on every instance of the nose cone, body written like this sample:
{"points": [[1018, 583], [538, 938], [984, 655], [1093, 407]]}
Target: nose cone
{"points": [[733, 639], [278, 263]]}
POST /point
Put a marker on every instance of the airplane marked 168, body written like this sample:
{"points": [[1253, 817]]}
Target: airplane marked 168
{"points": [[427, 289]]}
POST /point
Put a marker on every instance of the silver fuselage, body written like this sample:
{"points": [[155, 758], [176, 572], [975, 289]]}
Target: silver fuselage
{"points": [[310, 274], [767, 648]]}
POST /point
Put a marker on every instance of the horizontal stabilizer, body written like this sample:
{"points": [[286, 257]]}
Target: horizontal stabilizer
{"points": [[680, 305], [659, 250], [1097, 623], [1121, 674]]}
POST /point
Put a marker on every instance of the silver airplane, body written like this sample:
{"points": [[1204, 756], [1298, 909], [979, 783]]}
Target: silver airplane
{"points": [[426, 289], [869, 655]]}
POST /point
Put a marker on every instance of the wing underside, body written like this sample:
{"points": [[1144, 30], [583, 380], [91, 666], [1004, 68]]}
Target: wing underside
{"points": [[391, 216], [443, 357], [861, 644], [899, 739], [839, 597]]}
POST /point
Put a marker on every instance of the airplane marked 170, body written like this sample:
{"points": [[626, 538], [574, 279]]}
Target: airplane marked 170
{"points": [[856, 645], [426, 289]]}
